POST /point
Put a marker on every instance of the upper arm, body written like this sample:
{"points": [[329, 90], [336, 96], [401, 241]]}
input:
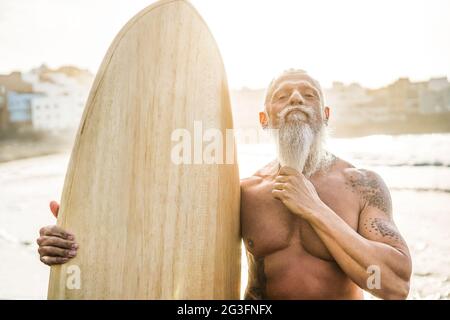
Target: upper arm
{"points": [[376, 221]]}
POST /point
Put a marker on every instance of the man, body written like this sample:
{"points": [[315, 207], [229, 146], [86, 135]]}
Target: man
{"points": [[314, 226]]}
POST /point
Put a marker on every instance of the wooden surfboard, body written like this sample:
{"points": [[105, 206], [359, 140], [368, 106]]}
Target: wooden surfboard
{"points": [[149, 228]]}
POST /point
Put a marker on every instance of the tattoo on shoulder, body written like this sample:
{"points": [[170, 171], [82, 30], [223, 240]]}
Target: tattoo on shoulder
{"points": [[372, 189], [382, 228]]}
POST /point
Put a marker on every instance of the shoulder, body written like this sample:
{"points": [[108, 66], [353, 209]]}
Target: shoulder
{"points": [[370, 187], [250, 182], [357, 178], [258, 177], [256, 186]]}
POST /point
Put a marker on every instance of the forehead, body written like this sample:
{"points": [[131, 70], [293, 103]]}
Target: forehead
{"points": [[297, 80]]}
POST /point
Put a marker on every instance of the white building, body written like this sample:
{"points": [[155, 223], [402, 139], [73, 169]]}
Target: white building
{"points": [[346, 102], [55, 113], [438, 84], [63, 95]]}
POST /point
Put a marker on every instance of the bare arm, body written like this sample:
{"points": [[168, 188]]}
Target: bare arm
{"points": [[377, 244]]}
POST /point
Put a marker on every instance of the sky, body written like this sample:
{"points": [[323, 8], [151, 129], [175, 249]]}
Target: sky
{"points": [[372, 42]]}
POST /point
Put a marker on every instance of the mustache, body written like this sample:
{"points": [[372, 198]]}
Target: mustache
{"points": [[309, 111]]}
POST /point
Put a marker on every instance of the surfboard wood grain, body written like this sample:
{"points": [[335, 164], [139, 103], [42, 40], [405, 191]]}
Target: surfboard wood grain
{"points": [[149, 228]]}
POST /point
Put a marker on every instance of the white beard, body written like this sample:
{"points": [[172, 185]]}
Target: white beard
{"points": [[299, 146]]}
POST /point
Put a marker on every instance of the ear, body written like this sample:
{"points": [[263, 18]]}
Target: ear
{"points": [[263, 119], [327, 114]]}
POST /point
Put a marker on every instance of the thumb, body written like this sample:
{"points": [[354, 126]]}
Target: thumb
{"points": [[54, 208]]}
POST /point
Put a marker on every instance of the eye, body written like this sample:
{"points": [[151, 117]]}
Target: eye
{"points": [[309, 95]]}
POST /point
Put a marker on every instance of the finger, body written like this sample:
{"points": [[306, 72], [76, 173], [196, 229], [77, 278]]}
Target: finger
{"points": [[277, 194], [57, 232], [54, 208], [281, 179], [286, 171], [53, 260], [56, 242], [279, 186], [56, 252]]}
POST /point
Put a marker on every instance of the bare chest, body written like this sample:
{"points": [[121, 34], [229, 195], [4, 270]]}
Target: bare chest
{"points": [[268, 226]]}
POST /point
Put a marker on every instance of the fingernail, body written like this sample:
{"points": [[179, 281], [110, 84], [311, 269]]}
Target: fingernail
{"points": [[70, 237], [72, 253], [74, 246]]}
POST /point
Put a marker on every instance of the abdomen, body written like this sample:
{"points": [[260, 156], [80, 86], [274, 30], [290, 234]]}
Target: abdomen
{"points": [[292, 273]]}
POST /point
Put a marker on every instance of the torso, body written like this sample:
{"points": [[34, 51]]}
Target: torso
{"points": [[287, 259]]}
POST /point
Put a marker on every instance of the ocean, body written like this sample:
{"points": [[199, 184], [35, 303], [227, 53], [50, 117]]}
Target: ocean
{"points": [[406, 162]]}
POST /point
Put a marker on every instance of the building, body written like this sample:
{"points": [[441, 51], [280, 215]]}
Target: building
{"points": [[438, 84], [403, 96], [4, 114], [348, 103], [45, 99], [14, 82], [56, 113], [19, 94], [434, 96], [19, 108], [63, 94]]}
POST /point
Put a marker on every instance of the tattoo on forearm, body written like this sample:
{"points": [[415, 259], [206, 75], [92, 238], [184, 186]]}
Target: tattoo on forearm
{"points": [[382, 228], [373, 191]]}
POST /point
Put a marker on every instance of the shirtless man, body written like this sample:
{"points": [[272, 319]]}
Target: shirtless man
{"points": [[314, 226]]}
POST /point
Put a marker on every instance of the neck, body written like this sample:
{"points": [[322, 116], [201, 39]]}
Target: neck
{"points": [[323, 163]]}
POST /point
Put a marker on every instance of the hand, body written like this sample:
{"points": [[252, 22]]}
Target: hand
{"points": [[296, 192], [56, 246]]}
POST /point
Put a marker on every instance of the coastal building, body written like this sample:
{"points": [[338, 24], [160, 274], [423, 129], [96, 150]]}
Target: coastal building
{"points": [[19, 108], [403, 96], [4, 115], [56, 113], [435, 96], [348, 102], [63, 94], [19, 94], [438, 84], [354, 104], [14, 82]]}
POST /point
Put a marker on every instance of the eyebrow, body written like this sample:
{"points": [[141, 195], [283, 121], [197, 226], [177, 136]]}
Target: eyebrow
{"points": [[303, 83]]}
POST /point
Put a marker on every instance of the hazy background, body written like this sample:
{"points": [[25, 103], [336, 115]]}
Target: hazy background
{"points": [[371, 42], [384, 66]]}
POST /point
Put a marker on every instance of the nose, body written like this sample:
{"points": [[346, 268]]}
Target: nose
{"points": [[296, 98]]}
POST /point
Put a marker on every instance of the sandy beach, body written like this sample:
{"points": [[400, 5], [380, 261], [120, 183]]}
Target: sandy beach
{"points": [[27, 186]]}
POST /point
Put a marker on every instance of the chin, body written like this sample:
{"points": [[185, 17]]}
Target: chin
{"points": [[300, 122]]}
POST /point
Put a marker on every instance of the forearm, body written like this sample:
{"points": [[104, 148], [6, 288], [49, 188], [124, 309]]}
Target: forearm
{"points": [[355, 254]]}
